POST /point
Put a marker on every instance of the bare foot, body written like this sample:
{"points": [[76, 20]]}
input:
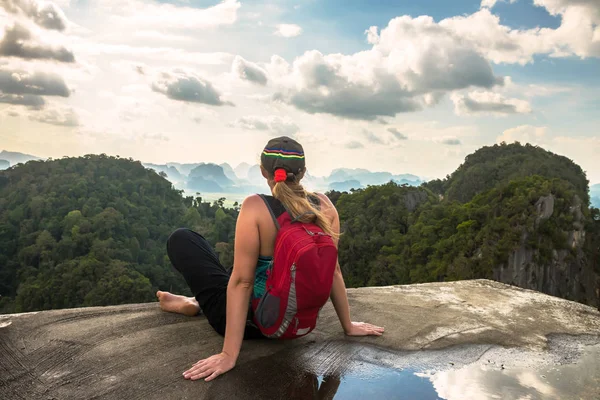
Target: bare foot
{"points": [[178, 304]]}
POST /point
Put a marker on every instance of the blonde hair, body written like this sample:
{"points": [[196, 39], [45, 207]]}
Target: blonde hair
{"points": [[295, 199]]}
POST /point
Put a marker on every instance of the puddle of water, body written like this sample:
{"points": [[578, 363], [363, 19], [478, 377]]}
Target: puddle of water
{"points": [[375, 382], [489, 380], [345, 371]]}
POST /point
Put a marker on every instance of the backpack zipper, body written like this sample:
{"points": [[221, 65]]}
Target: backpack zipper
{"points": [[280, 240], [283, 276], [311, 233]]}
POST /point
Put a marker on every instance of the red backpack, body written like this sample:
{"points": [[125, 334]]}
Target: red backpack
{"points": [[299, 280]]}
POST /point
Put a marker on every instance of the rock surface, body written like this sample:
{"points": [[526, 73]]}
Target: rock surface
{"points": [[139, 352], [567, 274]]}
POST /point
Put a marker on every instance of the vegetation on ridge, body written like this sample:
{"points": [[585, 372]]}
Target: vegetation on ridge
{"points": [[448, 240], [92, 230], [491, 166]]}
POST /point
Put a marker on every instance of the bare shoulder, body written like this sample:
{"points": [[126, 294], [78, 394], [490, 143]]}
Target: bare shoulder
{"points": [[252, 203]]}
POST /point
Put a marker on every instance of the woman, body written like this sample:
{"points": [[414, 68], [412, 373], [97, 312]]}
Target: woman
{"points": [[225, 298]]}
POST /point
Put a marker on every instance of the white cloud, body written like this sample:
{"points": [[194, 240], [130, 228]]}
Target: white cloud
{"points": [[578, 33], [532, 90], [482, 102], [583, 150], [523, 134], [411, 64], [159, 137], [157, 35], [492, 3], [33, 59], [249, 71], [20, 82], [158, 16], [397, 134], [29, 100], [156, 54], [499, 43], [280, 126], [288, 30], [353, 145], [186, 86], [414, 61], [32, 32], [54, 115], [19, 41], [372, 35], [372, 138], [12, 111], [450, 141], [44, 14], [488, 3], [556, 7]]}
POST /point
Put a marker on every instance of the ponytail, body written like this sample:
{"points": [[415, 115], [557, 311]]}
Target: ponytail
{"points": [[295, 198]]}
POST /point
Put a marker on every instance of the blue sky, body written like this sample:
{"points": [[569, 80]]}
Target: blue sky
{"points": [[404, 86]]}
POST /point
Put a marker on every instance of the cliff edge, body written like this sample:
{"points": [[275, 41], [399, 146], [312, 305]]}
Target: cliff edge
{"points": [[139, 352]]}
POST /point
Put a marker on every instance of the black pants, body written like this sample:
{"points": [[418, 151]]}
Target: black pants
{"points": [[195, 259]]}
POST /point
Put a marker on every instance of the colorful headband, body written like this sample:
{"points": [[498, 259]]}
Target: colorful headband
{"points": [[283, 153]]}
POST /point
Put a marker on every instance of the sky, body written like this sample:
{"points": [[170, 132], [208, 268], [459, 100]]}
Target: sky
{"points": [[403, 86]]}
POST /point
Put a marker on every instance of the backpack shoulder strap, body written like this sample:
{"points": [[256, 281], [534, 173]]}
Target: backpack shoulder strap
{"points": [[262, 196], [315, 200]]}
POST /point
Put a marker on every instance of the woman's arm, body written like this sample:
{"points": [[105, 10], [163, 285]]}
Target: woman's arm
{"points": [[338, 295], [339, 299], [239, 289]]}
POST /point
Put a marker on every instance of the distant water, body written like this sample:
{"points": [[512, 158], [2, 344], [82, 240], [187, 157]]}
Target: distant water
{"points": [[230, 198]]}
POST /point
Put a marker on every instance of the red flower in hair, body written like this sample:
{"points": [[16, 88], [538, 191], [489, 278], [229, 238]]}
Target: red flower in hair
{"points": [[280, 175]]}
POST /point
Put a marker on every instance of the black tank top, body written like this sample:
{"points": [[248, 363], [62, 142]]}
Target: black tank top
{"points": [[279, 209]]}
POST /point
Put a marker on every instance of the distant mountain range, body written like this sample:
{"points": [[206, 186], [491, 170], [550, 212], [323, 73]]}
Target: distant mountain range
{"points": [[209, 178], [223, 179], [10, 158]]}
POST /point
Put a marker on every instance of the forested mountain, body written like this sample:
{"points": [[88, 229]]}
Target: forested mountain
{"points": [[528, 224], [491, 166], [92, 231]]}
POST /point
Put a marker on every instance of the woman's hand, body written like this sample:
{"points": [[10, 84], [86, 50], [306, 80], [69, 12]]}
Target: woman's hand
{"points": [[211, 367], [364, 329]]}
